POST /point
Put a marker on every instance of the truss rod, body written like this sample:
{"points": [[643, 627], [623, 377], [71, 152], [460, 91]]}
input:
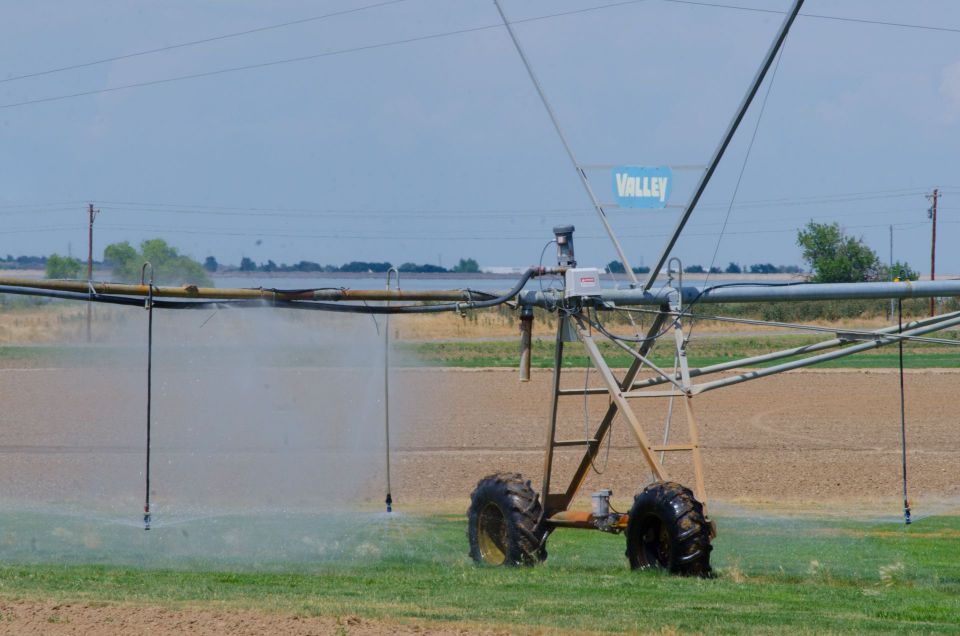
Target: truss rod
{"points": [[725, 141], [841, 333], [581, 173], [806, 362], [786, 353]]}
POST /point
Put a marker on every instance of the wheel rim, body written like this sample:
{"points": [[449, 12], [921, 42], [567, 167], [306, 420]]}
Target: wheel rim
{"points": [[656, 543], [492, 535]]}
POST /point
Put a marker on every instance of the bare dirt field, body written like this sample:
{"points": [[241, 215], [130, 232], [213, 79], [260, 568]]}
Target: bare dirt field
{"points": [[36, 617], [809, 436], [298, 436]]}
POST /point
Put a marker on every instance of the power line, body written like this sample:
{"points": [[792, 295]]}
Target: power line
{"points": [[903, 25], [520, 213], [305, 58], [215, 38], [279, 233]]}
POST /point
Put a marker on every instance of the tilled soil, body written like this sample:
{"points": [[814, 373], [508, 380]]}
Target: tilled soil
{"points": [[806, 436], [61, 619], [287, 436]]}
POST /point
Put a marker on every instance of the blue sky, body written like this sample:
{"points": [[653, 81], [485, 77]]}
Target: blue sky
{"points": [[435, 149]]}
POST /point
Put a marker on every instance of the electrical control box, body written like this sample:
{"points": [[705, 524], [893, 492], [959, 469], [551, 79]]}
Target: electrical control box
{"points": [[582, 281]]}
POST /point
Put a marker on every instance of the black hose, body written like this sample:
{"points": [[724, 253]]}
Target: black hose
{"points": [[147, 518], [490, 301], [903, 419]]}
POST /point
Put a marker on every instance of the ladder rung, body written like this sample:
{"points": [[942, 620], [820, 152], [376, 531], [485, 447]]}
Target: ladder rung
{"points": [[671, 448], [638, 394], [574, 442], [582, 392]]}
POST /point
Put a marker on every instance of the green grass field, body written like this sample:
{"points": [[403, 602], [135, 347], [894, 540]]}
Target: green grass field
{"points": [[775, 574], [702, 352], [474, 354]]}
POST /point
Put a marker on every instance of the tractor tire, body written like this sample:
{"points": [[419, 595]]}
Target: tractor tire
{"points": [[503, 522], [668, 530]]}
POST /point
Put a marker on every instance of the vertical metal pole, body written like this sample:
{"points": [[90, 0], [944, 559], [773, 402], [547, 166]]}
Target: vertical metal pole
{"points": [[933, 245], [566, 146], [90, 264], [892, 273], [724, 142], [526, 342], [554, 405]]}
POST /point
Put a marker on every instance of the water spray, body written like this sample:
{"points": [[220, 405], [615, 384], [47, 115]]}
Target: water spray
{"points": [[149, 307]]}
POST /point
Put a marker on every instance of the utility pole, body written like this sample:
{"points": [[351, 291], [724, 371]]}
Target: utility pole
{"points": [[932, 214], [93, 214]]}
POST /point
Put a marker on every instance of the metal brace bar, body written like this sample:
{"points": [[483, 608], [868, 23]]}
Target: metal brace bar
{"points": [[562, 501], [788, 353]]}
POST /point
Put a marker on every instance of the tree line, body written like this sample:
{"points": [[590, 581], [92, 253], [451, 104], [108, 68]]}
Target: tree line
{"points": [[616, 267], [465, 266], [832, 256], [173, 268]]}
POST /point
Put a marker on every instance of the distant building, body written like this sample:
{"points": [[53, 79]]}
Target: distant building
{"points": [[502, 270]]}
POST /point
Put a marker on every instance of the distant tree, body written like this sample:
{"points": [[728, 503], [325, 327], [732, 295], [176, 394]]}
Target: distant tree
{"points": [[426, 268], [247, 265], [763, 268], [789, 269], [308, 266], [714, 269], [363, 267], [616, 267], [643, 269], [269, 266], [903, 271], [211, 264], [169, 266], [124, 260], [31, 262], [466, 266], [733, 268], [62, 266], [835, 257], [694, 269]]}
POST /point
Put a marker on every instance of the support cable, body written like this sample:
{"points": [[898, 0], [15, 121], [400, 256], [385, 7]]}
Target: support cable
{"points": [[725, 141], [743, 169], [584, 181]]}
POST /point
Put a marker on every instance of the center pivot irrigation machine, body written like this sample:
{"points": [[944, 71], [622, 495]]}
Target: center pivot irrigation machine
{"points": [[509, 522]]}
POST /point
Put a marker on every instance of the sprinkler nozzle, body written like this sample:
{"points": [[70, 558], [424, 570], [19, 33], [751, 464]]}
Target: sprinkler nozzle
{"points": [[389, 503], [906, 513]]}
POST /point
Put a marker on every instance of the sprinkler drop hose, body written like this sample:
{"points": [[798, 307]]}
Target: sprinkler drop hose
{"points": [[903, 420], [146, 502]]}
